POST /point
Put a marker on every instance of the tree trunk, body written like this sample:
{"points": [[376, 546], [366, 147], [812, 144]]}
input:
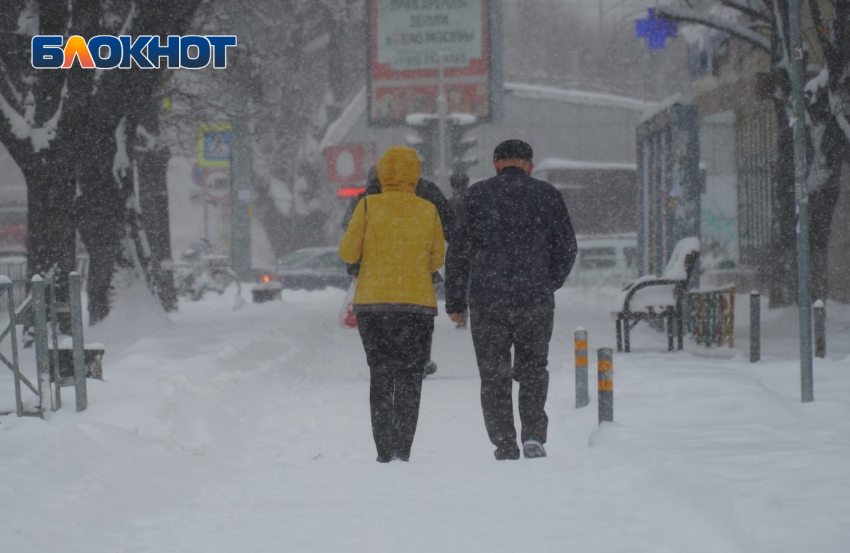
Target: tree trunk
{"points": [[100, 208], [782, 266], [121, 230], [832, 150], [153, 198], [51, 239]]}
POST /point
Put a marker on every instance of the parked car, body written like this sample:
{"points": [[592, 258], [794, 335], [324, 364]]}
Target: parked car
{"points": [[307, 269], [605, 260]]}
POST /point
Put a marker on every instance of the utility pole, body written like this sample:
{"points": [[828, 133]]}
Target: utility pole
{"points": [[241, 164], [442, 114], [601, 16], [242, 187], [804, 294]]}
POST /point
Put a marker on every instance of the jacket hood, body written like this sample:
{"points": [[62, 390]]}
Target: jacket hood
{"points": [[399, 169]]}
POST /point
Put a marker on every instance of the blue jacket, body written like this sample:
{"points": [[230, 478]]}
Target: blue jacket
{"points": [[513, 244]]}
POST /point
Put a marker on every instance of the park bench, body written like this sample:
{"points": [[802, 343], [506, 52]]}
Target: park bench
{"points": [[658, 298]]}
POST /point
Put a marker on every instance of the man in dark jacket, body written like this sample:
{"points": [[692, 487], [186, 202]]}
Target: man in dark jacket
{"points": [[459, 183], [512, 248], [426, 190]]}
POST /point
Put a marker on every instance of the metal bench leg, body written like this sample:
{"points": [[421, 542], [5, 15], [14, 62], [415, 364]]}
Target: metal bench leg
{"points": [[669, 332], [619, 324], [626, 339], [680, 328]]}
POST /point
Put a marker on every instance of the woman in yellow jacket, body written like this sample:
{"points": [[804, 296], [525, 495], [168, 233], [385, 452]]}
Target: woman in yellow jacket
{"points": [[398, 240]]}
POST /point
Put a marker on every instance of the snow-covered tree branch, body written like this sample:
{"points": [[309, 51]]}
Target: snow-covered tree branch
{"points": [[733, 28]]}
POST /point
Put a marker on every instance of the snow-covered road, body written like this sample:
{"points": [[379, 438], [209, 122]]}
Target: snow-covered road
{"points": [[220, 431]]}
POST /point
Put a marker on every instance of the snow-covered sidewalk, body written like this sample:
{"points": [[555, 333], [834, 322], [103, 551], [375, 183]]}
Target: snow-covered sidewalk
{"points": [[220, 431]]}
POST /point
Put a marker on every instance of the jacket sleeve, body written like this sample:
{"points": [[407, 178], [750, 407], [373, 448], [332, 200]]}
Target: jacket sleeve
{"points": [[564, 248], [459, 260], [351, 246], [438, 248], [349, 210], [429, 191], [354, 268]]}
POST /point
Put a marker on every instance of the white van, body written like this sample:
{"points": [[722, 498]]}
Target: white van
{"points": [[605, 260]]}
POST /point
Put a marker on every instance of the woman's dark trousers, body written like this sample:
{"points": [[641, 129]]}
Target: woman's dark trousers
{"points": [[397, 347]]}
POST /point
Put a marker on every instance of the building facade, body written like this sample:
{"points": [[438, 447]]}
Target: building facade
{"points": [[578, 138]]}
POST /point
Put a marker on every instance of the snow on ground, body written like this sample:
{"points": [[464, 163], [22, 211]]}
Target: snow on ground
{"points": [[219, 430]]}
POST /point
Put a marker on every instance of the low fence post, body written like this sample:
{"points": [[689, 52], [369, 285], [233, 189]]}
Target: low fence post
{"points": [[820, 329], [42, 357], [13, 334], [582, 397], [755, 326], [605, 372], [54, 332], [79, 345]]}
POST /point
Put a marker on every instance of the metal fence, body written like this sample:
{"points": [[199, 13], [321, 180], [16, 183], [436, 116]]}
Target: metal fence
{"points": [[16, 269], [711, 317], [755, 135], [669, 184]]}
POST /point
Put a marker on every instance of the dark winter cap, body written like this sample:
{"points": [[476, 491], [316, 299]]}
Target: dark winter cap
{"points": [[513, 149]]}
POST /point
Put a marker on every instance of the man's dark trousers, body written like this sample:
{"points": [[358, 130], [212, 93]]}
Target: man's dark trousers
{"points": [[495, 328], [397, 347]]}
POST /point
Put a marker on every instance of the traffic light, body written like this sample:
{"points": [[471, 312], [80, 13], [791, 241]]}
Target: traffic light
{"points": [[424, 137], [459, 143]]}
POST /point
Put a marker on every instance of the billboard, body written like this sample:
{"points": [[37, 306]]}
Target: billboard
{"points": [[407, 40]]}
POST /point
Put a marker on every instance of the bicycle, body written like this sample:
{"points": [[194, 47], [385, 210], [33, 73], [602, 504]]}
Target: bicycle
{"points": [[202, 271]]}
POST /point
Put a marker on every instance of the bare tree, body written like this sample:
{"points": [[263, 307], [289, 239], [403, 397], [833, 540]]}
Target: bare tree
{"points": [[829, 112], [764, 24], [299, 63], [69, 131], [34, 108], [122, 129]]}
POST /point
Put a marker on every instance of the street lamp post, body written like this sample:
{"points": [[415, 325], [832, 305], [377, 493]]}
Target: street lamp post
{"points": [[442, 114], [801, 193]]}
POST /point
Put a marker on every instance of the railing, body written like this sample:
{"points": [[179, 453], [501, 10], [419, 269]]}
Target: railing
{"points": [[669, 183], [35, 306], [16, 269], [711, 316], [755, 153]]}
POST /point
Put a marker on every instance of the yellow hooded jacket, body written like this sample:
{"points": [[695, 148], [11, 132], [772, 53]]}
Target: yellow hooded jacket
{"points": [[398, 239]]}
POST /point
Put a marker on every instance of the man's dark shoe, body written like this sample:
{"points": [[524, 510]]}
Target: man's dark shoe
{"points": [[430, 368], [382, 459], [509, 452], [532, 449]]}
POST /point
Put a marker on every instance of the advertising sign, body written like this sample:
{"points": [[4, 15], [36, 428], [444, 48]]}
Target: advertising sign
{"points": [[349, 163], [409, 39]]}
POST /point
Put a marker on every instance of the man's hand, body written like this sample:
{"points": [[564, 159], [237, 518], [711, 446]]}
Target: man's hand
{"points": [[457, 318]]}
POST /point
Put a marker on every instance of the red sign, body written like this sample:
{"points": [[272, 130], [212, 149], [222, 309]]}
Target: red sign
{"points": [[349, 163], [407, 44], [214, 181]]}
